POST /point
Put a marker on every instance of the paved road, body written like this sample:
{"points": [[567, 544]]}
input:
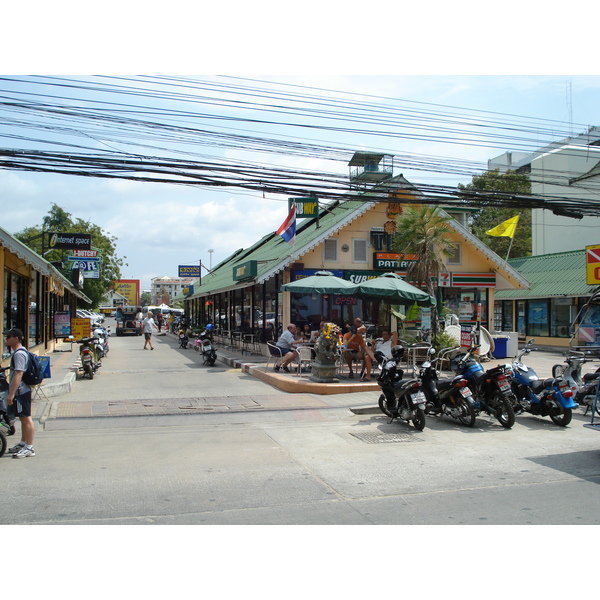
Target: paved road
{"points": [[297, 460]]}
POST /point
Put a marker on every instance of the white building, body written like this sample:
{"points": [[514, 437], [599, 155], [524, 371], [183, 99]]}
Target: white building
{"points": [[164, 289], [569, 169]]}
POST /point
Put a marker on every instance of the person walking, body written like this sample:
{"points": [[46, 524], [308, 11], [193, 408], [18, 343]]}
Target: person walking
{"points": [[147, 324], [159, 320], [19, 394]]}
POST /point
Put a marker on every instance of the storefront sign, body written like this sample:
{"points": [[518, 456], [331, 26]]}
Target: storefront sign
{"points": [[340, 300], [79, 241], [306, 208], [62, 324], [388, 260], [189, 271], [362, 276], [474, 280], [245, 270]]}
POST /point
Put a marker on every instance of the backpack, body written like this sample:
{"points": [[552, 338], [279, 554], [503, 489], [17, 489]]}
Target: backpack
{"points": [[34, 374]]}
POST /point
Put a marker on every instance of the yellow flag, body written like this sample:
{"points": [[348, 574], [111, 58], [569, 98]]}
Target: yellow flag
{"points": [[505, 229]]}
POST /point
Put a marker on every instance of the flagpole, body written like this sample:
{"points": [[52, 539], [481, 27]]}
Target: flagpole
{"points": [[509, 247]]}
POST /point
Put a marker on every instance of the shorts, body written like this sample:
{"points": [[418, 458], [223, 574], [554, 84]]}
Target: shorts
{"points": [[147, 336], [21, 406]]}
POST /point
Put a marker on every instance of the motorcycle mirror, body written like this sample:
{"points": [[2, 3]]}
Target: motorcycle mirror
{"points": [[531, 341]]}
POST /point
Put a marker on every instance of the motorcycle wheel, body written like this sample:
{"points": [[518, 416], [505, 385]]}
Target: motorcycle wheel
{"points": [[505, 412], [564, 418], [467, 414], [3, 444], [419, 419], [88, 370], [558, 371], [383, 406]]}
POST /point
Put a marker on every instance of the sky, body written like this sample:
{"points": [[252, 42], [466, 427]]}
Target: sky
{"points": [[161, 226]]}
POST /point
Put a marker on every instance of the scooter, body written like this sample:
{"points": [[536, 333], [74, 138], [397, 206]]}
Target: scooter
{"points": [[491, 388], [402, 400], [87, 354], [548, 397], [204, 344], [451, 397], [584, 387], [101, 341]]}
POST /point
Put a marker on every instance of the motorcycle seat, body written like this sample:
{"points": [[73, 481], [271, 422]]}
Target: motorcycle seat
{"points": [[591, 376]]}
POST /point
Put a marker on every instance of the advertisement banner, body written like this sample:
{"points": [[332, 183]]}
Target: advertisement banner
{"points": [[62, 324], [189, 271], [81, 328], [130, 288]]}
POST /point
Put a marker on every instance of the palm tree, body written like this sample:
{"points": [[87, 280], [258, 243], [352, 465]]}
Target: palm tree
{"points": [[424, 231]]}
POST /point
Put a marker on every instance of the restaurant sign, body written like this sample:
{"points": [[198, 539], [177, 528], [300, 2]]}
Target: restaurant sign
{"points": [[306, 208], [390, 261], [246, 270]]}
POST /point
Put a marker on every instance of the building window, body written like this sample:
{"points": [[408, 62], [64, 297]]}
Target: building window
{"points": [[537, 317], [455, 255], [561, 315], [359, 251], [330, 253]]}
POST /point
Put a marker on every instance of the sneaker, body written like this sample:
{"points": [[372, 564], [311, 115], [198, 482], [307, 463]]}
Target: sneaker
{"points": [[24, 452], [16, 448]]}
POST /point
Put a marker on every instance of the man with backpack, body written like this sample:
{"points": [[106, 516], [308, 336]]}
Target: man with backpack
{"points": [[19, 393]]}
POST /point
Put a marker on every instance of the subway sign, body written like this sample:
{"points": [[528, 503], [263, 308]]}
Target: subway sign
{"points": [[247, 270], [306, 208], [386, 261]]}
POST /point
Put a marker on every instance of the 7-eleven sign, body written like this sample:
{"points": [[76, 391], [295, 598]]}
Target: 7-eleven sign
{"points": [[592, 259]]}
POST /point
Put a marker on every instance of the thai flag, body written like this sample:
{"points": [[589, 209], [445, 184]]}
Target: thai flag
{"points": [[287, 230]]}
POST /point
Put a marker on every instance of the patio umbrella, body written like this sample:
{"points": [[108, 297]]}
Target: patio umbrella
{"points": [[393, 288], [322, 282]]}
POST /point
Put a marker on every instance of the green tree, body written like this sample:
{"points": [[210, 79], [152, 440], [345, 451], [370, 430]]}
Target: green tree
{"points": [[58, 220], [424, 231], [488, 217]]}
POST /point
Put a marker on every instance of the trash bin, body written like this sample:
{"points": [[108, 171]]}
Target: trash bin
{"points": [[500, 347]]}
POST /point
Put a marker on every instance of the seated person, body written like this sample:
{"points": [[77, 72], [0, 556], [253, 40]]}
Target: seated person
{"points": [[387, 342], [360, 328], [356, 349], [306, 333], [287, 344], [317, 332]]}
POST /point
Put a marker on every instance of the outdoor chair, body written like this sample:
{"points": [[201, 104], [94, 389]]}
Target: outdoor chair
{"points": [[274, 352], [304, 357]]}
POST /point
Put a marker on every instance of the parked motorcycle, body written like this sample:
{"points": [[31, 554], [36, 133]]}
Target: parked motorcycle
{"points": [[491, 388], [400, 399], [101, 341], [583, 387], [87, 353], [451, 397], [205, 345], [548, 397], [182, 336]]}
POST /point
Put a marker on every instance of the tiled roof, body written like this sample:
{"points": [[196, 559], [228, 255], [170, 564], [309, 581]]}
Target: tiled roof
{"points": [[550, 275]]}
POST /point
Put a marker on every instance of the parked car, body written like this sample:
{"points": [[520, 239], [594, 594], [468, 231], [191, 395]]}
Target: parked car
{"points": [[129, 325]]}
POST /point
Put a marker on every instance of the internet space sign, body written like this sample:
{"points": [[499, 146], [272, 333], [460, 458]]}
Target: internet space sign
{"points": [[77, 241]]}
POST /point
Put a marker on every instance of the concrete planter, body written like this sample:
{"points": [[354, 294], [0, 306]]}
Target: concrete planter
{"points": [[324, 371]]}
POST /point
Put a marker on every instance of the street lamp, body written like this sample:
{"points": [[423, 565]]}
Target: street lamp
{"points": [[210, 252]]}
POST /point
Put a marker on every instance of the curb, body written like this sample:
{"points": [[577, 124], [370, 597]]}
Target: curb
{"points": [[287, 384]]}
